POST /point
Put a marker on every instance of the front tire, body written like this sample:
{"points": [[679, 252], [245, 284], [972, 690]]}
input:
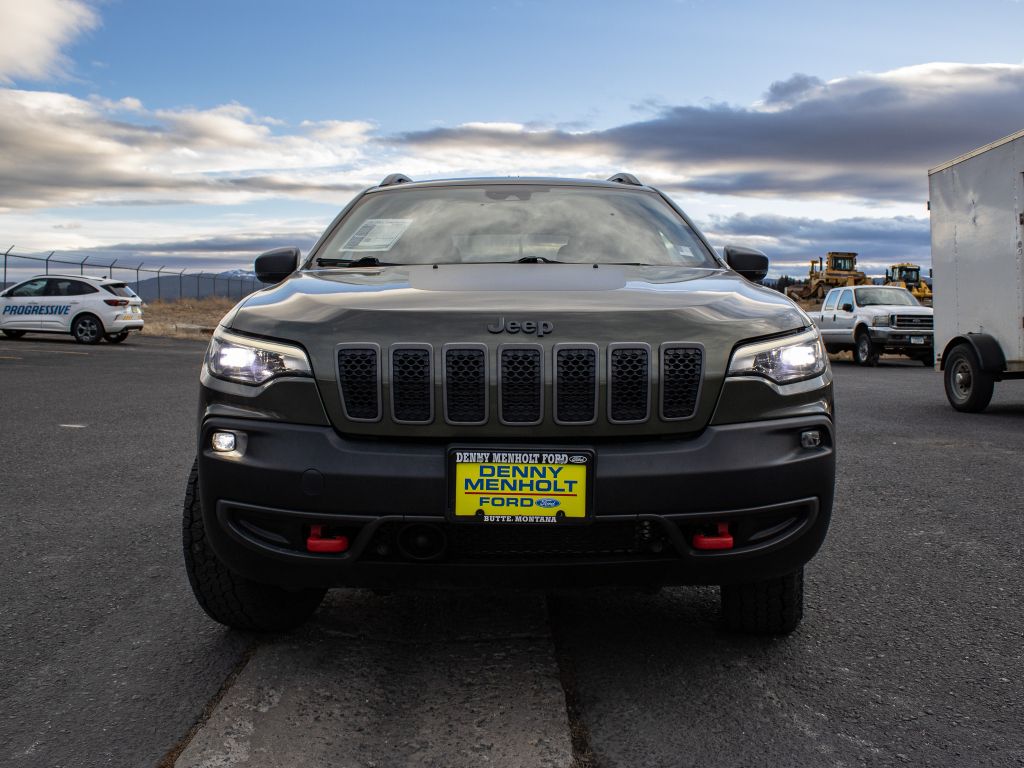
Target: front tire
{"points": [[968, 387], [227, 597], [116, 338], [12, 334], [771, 607], [864, 352], [87, 329]]}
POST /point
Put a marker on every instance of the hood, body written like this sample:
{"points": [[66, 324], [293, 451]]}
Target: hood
{"points": [[327, 298]]}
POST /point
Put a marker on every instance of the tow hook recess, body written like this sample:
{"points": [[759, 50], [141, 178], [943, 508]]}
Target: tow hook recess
{"points": [[722, 540], [317, 542]]}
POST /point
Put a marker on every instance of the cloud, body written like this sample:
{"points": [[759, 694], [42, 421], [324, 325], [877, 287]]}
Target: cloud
{"points": [[34, 33], [868, 136], [62, 150]]}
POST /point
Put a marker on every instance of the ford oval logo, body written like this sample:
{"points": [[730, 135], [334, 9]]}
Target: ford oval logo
{"points": [[578, 459], [548, 503]]}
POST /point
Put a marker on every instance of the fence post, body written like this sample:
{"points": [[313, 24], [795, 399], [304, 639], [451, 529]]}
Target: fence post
{"points": [[48, 261], [5, 264], [81, 267], [181, 290], [111, 268], [158, 295], [199, 293], [138, 283]]}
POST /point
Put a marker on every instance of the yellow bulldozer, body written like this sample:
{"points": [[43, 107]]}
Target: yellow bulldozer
{"points": [[906, 275], [836, 269]]}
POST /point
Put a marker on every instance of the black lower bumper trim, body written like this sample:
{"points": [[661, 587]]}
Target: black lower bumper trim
{"points": [[388, 499]]}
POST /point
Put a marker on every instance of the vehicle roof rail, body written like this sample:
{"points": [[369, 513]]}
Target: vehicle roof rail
{"points": [[625, 178], [395, 178]]}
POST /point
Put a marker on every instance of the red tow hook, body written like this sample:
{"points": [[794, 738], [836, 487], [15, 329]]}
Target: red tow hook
{"points": [[722, 541], [318, 543]]}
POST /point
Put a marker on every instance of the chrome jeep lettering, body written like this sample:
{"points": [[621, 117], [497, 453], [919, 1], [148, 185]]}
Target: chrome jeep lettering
{"points": [[533, 327]]}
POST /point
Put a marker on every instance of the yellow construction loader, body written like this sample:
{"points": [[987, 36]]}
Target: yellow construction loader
{"points": [[836, 269], [906, 275]]}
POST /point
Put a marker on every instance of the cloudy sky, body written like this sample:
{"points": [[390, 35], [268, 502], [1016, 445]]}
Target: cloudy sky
{"points": [[196, 134]]}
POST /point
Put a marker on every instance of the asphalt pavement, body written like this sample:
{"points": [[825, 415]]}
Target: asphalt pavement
{"points": [[910, 652]]}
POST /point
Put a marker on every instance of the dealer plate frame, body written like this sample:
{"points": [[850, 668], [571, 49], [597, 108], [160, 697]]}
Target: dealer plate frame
{"points": [[450, 475]]}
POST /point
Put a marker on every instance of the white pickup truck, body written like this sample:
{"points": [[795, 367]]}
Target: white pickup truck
{"points": [[872, 319]]}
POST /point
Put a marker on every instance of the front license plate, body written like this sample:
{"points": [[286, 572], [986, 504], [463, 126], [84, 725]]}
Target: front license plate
{"points": [[917, 339], [519, 486]]}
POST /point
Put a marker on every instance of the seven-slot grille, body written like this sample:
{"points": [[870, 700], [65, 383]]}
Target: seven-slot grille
{"points": [[465, 372], [914, 322]]}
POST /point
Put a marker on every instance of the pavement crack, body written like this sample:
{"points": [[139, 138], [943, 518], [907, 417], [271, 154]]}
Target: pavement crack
{"points": [[175, 751], [579, 734]]}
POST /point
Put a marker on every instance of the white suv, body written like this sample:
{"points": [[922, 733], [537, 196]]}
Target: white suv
{"points": [[89, 308]]}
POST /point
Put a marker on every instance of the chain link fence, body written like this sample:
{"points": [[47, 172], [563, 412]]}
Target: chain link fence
{"points": [[151, 283]]}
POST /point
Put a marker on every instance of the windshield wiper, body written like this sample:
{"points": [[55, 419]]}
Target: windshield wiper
{"points": [[537, 260], [365, 261]]}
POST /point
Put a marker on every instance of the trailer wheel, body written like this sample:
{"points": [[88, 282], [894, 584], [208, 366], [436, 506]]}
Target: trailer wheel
{"points": [[968, 387], [864, 353]]}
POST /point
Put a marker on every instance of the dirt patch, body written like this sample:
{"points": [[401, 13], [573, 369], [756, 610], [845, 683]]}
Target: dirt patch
{"points": [[187, 319]]}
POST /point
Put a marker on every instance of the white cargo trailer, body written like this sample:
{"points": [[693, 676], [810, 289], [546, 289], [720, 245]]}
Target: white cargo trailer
{"points": [[977, 222]]}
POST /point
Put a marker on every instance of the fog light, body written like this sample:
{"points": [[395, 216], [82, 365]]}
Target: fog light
{"points": [[810, 438], [223, 442]]}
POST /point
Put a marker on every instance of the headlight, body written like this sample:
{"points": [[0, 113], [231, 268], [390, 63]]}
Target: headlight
{"points": [[253, 361], [881, 320], [781, 360]]}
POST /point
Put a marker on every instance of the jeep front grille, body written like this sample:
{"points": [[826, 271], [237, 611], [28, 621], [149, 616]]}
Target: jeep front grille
{"points": [[629, 383], [576, 381], [359, 379], [681, 369], [412, 386], [465, 385], [521, 385], [914, 322], [638, 382]]}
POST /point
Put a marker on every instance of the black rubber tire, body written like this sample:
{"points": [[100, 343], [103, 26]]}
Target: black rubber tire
{"points": [[864, 352], [227, 597], [772, 607], [12, 334], [87, 329], [968, 388], [116, 338]]}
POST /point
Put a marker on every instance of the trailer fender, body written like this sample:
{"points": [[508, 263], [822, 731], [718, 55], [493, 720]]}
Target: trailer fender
{"points": [[989, 353]]}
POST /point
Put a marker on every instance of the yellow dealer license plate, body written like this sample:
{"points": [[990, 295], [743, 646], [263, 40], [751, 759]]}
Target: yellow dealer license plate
{"points": [[520, 485]]}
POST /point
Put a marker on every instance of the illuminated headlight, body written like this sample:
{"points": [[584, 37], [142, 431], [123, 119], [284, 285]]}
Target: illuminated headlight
{"points": [[881, 320], [781, 360], [253, 361]]}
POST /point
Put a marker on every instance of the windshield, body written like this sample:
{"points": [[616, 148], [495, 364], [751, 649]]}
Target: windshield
{"points": [[510, 223], [869, 297], [844, 264], [909, 275]]}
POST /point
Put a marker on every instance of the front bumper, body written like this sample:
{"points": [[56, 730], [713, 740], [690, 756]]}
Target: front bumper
{"points": [[902, 340], [650, 498]]}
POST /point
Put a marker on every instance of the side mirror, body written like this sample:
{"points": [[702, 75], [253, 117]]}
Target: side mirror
{"points": [[750, 263], [847, 307], [274, 266]]}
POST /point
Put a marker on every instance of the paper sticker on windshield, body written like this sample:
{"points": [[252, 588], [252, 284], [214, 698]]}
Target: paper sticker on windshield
{"points": [[377, 235], [684, 250]]}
